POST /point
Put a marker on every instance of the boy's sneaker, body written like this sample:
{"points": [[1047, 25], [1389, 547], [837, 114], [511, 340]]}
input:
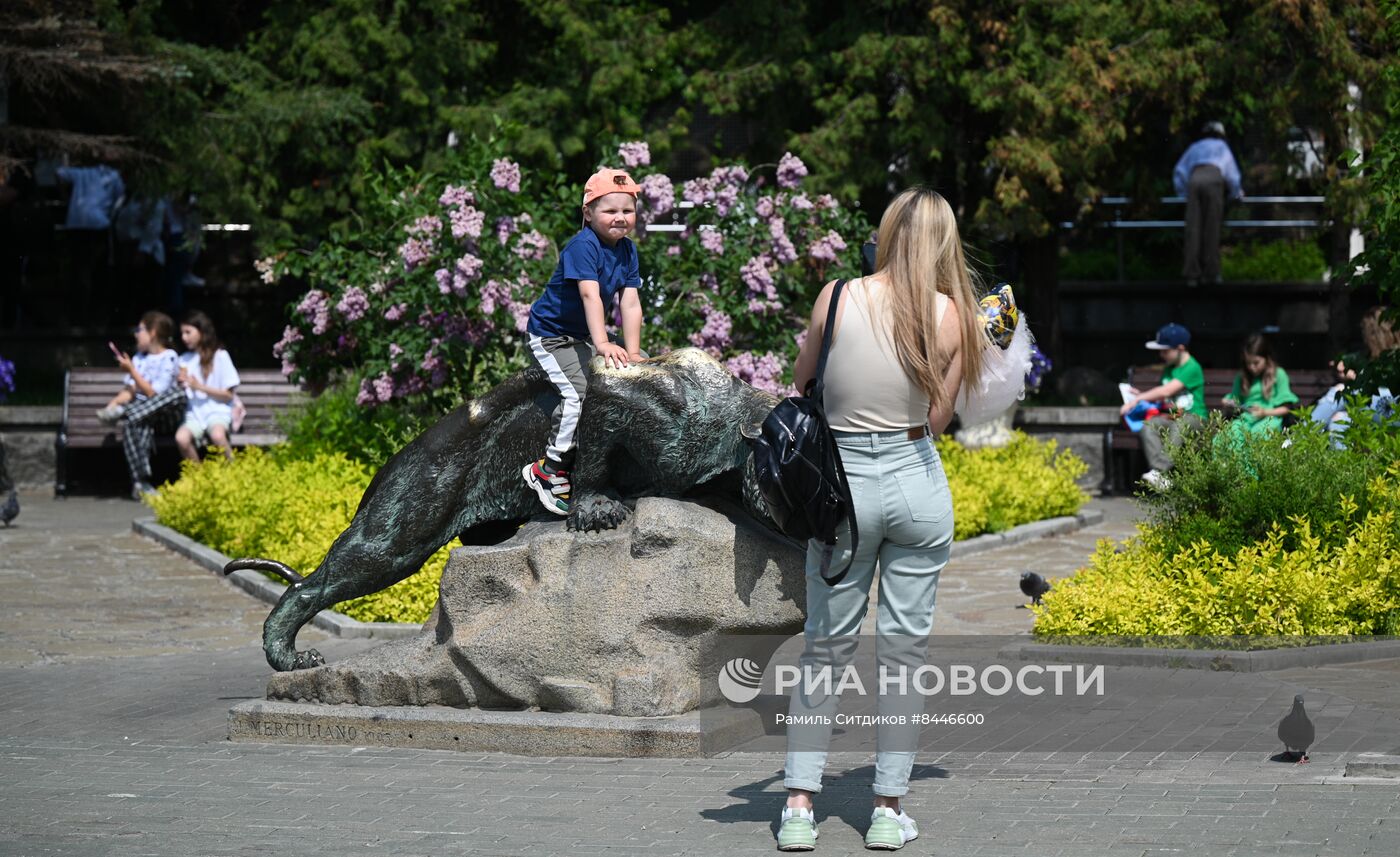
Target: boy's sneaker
{"points": [[110, 414], [888, 831], [550, 485], [140, 489], [798, 830], [1157, 480]]}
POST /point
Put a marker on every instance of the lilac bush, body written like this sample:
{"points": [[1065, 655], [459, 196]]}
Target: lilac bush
{"points": [[428, 296]]}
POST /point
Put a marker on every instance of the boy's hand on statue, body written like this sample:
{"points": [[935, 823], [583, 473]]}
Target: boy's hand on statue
{"points": [[635, 357], [614, 355]]}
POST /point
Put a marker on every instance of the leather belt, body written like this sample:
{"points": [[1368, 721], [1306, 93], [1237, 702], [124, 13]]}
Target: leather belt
{"points": [[918, 432]]}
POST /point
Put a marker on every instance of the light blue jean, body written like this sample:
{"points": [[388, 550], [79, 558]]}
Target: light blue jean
{"points": [[905, 515]]}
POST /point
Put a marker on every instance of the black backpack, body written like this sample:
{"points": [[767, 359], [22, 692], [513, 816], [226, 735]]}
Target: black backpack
{"points": [[798, 467]]}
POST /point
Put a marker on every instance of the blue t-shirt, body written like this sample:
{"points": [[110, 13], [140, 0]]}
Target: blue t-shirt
{"points": [[559, 311]]}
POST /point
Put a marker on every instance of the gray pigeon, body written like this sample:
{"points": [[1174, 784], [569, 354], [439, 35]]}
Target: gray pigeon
{"points": [[10, 510], [1034, 586], [1296, 732]]}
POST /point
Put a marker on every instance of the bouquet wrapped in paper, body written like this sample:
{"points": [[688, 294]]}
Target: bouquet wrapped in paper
{"points": [[1006, 359]]}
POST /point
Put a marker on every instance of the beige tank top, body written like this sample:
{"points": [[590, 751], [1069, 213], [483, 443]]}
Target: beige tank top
{"points": [[866, 388]]}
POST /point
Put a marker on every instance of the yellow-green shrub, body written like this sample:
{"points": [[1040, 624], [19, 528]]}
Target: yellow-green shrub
{"points": [[1292, 582], [266, 505], [997, 489]]}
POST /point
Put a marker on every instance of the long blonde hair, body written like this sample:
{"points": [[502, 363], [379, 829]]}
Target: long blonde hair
{"points": [[919, 254]]}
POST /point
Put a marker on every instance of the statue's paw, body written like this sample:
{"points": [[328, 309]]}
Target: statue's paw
{"points": [[596, 512], [308, 659]]}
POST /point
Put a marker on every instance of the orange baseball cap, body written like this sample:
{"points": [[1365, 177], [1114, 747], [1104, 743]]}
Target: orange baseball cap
{"points": [[608, 181]]}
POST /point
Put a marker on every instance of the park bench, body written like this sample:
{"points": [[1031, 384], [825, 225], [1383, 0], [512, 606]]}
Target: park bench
{"points": [[264, 392], [1122, 449]]}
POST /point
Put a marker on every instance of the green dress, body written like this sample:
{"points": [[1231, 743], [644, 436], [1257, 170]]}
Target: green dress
{"points": [[1280, 395]]}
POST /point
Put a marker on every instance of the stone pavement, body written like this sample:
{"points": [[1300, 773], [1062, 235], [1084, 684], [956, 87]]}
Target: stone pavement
{"points": [[114, 708]]}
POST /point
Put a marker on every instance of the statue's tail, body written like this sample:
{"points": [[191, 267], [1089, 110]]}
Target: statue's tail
{"points": [[271, 566]]}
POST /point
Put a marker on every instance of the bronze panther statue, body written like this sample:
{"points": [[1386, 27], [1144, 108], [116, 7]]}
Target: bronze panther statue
{"points": [[663, 427]]}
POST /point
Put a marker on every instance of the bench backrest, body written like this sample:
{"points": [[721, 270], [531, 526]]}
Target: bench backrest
{"points": [[264, 392], [1307, 384]]}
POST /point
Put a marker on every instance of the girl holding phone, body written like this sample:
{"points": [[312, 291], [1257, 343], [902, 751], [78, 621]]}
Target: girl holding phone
{"points": [[150, 399]]}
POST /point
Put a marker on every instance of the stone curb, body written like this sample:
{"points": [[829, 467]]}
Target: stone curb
{"points": [[1374, 765], [522, 733], [265, 589], [1224, 660], [1026, 532]]}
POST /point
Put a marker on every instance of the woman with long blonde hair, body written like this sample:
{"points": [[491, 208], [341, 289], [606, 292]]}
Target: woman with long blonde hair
{"points": [[905, 339]]}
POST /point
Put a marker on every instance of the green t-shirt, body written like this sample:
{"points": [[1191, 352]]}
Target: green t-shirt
{"points": [[1281, 394], [1193, 398]]}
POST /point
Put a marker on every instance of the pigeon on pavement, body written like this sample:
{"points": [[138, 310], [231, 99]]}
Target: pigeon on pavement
{"points": [[10, 510], [1296, 731], [1034, 586]]}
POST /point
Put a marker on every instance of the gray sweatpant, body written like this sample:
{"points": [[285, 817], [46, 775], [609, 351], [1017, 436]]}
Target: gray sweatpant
{"points": [[1162, 434], [565, 360]]}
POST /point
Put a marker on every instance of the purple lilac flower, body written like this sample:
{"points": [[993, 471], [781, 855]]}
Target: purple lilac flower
{"points": [[714, 336], [733, 176], [757, 277], [505, 174], [765, 208], [531, 245], [366, 395], [800, 338], [384, 387], [709, 282], [698, 191], [521, 312], [635, 155], [316, 308], [455, 197], [725, 200], [505, 227], [712, 240], [783, 250], [658, 194], [762, 307], [395, 350], [673, 250], [791, 170], [469, 267], [826, 248], [800, 202], [826, 202], [426, 225], [395, 312], [377, 288], [467, 222], [763, 372], [415, 252]]}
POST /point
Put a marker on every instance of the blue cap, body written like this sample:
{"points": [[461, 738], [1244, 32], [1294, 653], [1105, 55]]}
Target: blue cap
{"points": [[1170, 336]]}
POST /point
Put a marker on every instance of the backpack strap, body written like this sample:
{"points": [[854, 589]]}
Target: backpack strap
{"points": [[815, 386], [814, 391]]}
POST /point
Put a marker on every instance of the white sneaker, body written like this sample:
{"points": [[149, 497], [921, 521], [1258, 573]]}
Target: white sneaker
{"points": [[1157, 480], [888, 831], [797, 830]]}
